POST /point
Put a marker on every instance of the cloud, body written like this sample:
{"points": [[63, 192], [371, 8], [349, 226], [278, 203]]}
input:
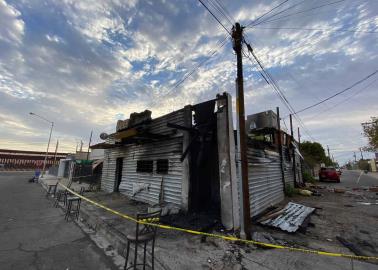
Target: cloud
{"points": [[12, 27], [83, 64]]}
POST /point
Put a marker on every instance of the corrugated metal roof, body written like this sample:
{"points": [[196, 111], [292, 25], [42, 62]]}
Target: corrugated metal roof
{"points": [[293, 216]]}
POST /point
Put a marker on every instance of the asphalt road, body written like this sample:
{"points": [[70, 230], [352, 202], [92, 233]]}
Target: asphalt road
{"points": [[355, 179], [34, 234]]}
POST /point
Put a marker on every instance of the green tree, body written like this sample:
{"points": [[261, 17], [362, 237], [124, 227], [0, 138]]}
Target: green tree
{"points": [[370, 130], [313, 153]]}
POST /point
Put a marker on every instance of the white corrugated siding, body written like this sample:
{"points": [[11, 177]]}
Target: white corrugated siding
{"points": [[164, 149], [265, 180], [170, 150]]}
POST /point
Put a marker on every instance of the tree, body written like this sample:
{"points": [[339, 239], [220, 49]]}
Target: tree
{"points": [[313, 153], [370, 130]]}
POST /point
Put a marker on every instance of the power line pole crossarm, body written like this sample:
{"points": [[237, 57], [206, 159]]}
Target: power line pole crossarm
{"points": [[237, 36]]}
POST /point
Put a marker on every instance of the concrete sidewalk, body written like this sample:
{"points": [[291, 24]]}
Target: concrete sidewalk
{"points": [[177, 250]]}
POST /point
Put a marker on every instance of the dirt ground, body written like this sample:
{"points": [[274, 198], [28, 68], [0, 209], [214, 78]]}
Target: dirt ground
{"points": [[336, 215]]}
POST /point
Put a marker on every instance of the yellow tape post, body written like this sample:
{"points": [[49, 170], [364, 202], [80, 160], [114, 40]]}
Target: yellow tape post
{"points": [[224, 237]]}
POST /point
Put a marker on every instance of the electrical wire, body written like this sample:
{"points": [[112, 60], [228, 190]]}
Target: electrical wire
{"points": [[346, 99], [224, 11], [266, 13], [302, 11], [276, 14], [215, 17], [216, 7], [338, 93], [271, 81], [317, 29], [187, 75]]}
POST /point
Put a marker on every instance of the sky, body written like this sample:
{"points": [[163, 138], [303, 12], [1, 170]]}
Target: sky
{"points": [[86, 64]]}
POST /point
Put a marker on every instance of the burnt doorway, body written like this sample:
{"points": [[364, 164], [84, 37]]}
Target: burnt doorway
{"points": [[204, 193], [118, 174]]}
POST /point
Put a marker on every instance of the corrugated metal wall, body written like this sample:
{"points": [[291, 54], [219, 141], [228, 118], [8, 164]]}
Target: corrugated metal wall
{"points": [[165, 149], [170, 150], [265, 180]]}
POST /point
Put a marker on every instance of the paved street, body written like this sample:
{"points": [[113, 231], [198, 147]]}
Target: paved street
{"points": [[352, 179], [34, 234]]}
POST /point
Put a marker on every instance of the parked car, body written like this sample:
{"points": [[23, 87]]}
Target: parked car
{"points": [[329, 173]]}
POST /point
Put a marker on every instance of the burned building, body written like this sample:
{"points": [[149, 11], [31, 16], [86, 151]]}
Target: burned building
{"points": [[187, 159]]}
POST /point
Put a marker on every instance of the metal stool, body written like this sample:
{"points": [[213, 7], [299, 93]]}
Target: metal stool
{"points": [[73, 207], [60, 197], [51, 189], [73, 204], [144, 234]]}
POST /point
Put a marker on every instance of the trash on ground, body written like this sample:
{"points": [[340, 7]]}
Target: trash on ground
{"points": [[350, 246], [291, 218], [339, 190], [264, 237], [305, 192], [368, 203]]}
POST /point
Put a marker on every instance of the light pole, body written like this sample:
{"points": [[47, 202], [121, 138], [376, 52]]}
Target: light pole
{"points": [[48, 143]]}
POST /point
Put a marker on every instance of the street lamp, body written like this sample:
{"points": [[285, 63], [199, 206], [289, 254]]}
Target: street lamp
{"points": [[48, 143]]}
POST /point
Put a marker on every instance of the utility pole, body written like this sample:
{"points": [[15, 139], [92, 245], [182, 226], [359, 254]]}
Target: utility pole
{"points": [[362, 156], [81, 146], [237, 36], [56, 150], [294, 163], [89, 144], [299, 139], [328, 151], [355, 157]]}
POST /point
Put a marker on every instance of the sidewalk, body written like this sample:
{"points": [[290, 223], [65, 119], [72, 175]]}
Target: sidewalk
{"points": [[177, 250]]}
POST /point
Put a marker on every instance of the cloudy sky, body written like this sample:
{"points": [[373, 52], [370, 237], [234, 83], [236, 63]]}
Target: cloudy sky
{"points": [[85, 64]]}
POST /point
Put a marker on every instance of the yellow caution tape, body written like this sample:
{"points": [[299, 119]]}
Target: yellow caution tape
{"points": [[224, 237]]}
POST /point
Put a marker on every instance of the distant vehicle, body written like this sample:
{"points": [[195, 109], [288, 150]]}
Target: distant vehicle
{"points": [[329, 173]]}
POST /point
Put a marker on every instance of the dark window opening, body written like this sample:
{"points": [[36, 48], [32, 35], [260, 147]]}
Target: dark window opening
{"points": [[162, 166], [145, 166]]}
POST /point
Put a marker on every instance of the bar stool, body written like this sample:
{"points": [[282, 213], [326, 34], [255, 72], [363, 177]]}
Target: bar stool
{"points": [[73, 205], [144, 234], [51, 189]]}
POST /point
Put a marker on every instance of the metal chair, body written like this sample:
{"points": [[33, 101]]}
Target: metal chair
{"points": [[61, 195], [73, 205], [51, 189], [144, 234]]}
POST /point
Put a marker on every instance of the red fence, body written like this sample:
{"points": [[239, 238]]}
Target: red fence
{"points": [[17, 159]]}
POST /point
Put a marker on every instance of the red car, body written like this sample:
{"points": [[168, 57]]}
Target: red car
{"points": [[330, 174]]}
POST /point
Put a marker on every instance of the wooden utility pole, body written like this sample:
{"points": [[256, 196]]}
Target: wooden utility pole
{"points": [[237, 36], [299, 139], [292, 138], [329, 155], [89, 144], [56, 150]]}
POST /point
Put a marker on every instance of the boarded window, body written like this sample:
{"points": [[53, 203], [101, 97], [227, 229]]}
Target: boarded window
{"points": [[162, 166], [145, 166]]}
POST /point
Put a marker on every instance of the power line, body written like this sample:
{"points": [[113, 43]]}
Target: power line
{"points": [[215, 17], [302, 11], [186, 76], [266, 13], [271, 81], [346, 99], [216, 7], [225, 11], [338, 93], [317, 29], [280, 12]]}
